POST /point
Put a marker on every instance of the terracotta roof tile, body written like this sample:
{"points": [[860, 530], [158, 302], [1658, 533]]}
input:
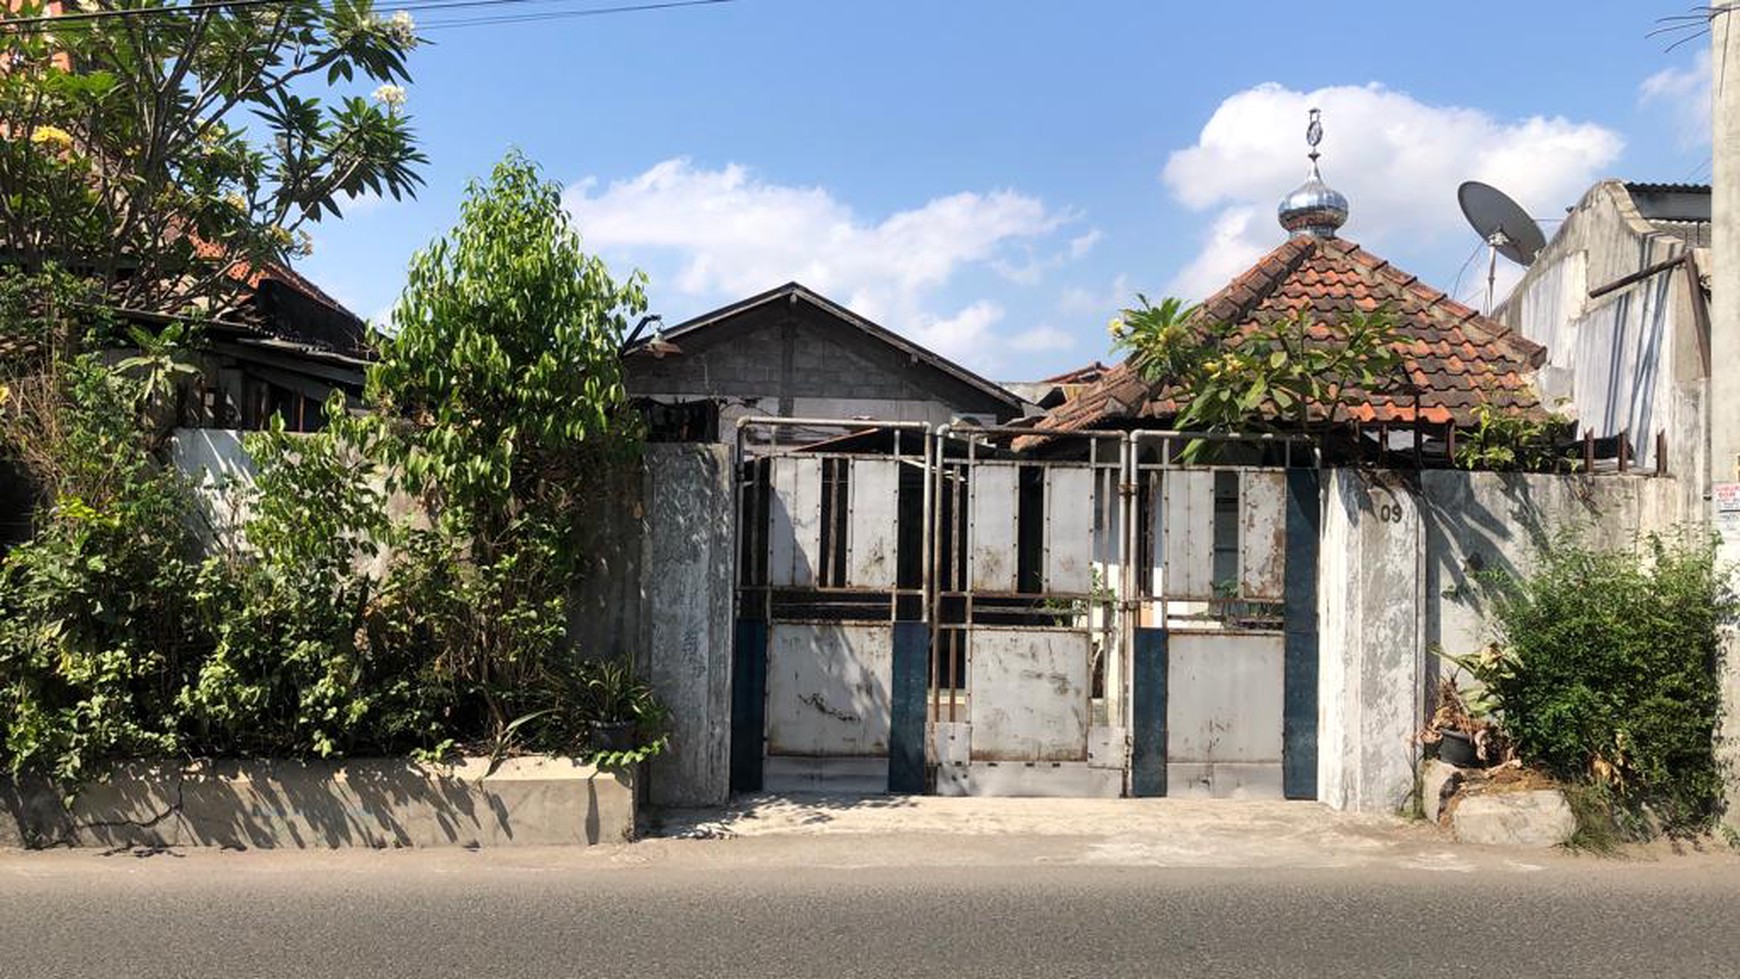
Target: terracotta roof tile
{"points": [[1454, 356]]}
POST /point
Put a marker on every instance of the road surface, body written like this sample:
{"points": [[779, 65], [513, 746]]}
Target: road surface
{"points": [[842, 906]]}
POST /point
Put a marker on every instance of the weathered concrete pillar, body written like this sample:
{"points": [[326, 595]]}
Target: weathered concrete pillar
{"points": [[1724, 349], [688, 547]]}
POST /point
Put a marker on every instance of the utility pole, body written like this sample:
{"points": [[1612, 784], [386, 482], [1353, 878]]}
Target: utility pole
{"points": [[1724, 390]]}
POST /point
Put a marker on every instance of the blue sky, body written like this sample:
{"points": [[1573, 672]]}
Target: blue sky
{"points": [[995, 179]]}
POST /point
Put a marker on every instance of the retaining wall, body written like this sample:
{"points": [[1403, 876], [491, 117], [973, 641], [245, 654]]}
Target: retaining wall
{"points": [[290, 805]]}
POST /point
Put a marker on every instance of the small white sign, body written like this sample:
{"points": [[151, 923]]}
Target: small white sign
{"points": [[1725, 497]]}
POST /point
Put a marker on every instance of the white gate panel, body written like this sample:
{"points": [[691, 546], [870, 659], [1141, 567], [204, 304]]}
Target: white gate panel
{"points": [[1069, 529], [1224, 697], [991, 558], [828, 689], [794, 522], [1029, 694], [1188, 544], [872, 530], [1262, 535]]}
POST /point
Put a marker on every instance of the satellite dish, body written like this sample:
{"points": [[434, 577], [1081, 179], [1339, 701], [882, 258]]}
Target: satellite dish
{"points": [[1501, 222], [1506, 228]]}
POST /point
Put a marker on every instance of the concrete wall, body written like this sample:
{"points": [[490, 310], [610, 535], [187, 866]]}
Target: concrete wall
{"points": [[1627, 361], [689, 543], [1480, 521], [1398, 553], [283, 804], [1725, 350], [1370, 643], [215, 462], [659, 587]]}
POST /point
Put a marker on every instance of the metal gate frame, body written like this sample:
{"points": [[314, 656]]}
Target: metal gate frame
{"points": [[1135, 691], [1296, 602], [757, 611], [971, 757]]}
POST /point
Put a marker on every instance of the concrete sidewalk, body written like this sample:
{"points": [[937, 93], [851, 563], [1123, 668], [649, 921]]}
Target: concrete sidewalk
{"points": [[930, 830]]}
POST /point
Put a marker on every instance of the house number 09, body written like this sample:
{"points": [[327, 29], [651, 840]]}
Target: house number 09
{"points": [[1390, 512]]}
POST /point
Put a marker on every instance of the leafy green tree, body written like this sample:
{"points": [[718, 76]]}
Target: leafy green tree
{"points": [[153, 151], [499, 398], [1288, 373]]}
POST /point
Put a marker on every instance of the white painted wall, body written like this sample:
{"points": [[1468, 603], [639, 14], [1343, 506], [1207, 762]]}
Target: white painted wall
{"points": [[1369, 643], [215, 462], [1626, 361], [1397, 555]]}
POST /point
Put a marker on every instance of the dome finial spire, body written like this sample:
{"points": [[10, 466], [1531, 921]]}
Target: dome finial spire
{"points": [[1314, 208]]}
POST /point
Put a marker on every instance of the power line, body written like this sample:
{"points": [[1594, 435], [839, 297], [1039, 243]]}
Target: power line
{"points": [[88, 17], [543, 15]]}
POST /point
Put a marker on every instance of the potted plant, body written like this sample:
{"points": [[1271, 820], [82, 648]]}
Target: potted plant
{"points": [[622, 711], [1461, 731]]}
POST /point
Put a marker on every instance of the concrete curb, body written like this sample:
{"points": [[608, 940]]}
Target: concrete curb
{"points": [[360, 802]]}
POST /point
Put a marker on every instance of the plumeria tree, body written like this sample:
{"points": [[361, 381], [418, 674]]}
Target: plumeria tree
{"points": [[154, 148], [1282, 374]]}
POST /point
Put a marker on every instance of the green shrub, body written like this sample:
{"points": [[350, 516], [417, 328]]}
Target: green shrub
{"points": [[328, 628], [1607, 670], [100, 614]]}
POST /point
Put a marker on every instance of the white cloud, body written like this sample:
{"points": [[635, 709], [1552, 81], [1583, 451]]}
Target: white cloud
{"points": [[1397, 159], [962, 336], [720, 235], [1076, 301], [1042, 338], [366, 202], [1686, 94], [1231, 245], [1080, 245]]}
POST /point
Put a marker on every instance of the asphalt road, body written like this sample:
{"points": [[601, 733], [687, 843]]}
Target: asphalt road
{"points": [[701, 908]]}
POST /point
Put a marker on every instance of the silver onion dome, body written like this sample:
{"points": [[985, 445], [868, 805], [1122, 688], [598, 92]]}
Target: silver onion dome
{"points": [[1314, 207]]}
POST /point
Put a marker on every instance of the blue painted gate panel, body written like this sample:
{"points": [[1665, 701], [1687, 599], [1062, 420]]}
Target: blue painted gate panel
{"points": [[1299, 714], [748, 704], [906, 731], [1148, 714]]}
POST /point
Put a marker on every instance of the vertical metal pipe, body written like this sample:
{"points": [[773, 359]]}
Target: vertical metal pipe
{"points": [[1130, 607], [928, 576], [934, 488]]}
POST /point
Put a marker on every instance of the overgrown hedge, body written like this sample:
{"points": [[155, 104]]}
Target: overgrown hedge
{"points": [[1606, 670], [324, 628]]}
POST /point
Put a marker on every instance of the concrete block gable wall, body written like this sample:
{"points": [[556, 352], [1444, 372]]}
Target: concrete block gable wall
{"points": [[795, 360]]}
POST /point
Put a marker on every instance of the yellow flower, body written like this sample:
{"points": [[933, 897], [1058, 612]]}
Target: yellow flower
{"points": [[53, 136], [1115, 327]]}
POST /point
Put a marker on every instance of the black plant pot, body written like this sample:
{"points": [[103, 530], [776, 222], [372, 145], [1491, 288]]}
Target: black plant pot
{"points": [[1456, 748], [613, 735]]}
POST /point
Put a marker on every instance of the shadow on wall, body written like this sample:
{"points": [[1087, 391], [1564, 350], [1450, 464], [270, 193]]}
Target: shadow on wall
{"points": [[1496, 523], [286, 804]]}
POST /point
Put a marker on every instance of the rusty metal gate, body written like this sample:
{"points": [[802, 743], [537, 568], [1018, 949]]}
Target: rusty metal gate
{"points": [[1224, 595], [1025, 689], [831, 603], [1107, 614]]}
